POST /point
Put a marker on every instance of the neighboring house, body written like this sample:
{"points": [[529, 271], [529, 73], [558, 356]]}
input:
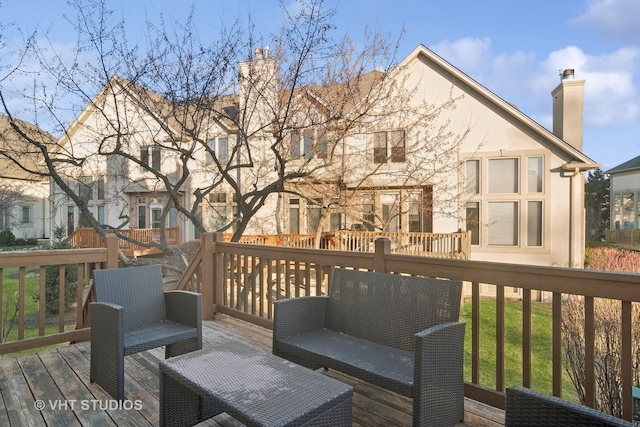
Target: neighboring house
{"points": [[624, 187], [24, 196], [518, 188]]}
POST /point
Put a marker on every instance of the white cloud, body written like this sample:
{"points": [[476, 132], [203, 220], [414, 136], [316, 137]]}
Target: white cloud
{"points": [[614, 19], [610, 96], [467, 54]]}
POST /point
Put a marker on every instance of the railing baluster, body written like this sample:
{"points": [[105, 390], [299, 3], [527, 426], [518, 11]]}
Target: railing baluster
{"points": [[526, 337], [21, 302], [556, 344], [589, 352], [475, 332], [627, 361], [61, 296], [500, 338]]}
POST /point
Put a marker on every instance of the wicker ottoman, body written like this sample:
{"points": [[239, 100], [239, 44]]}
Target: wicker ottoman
{"points": [[256, 388]]}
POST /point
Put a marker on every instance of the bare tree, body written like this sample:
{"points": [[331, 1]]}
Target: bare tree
{"points": [[608, 345], [171, 118]]}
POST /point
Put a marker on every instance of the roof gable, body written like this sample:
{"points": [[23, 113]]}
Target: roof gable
{"points": [[428, 56]]}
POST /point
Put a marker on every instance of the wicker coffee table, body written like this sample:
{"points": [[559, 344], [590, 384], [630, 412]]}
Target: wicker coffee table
{"points": [[254, 387]]}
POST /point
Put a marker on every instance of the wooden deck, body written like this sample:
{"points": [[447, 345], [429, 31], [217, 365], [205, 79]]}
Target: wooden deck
{"points": [[61, 375]]}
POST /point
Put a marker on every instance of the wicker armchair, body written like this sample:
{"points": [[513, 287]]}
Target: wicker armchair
{"points": [[526, 407], [133, 313]]}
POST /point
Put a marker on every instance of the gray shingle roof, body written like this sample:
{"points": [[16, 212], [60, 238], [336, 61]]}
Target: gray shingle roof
{"points": [[626, 166]]}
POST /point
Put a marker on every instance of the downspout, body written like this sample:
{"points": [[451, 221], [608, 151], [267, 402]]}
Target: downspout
{"points": [[575, 208]]}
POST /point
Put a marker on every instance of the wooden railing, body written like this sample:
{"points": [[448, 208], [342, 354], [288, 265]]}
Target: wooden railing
{"points": [[64, 322], [243, 280], [288, 240], [88, 238], [623, 237], [441, 245]]}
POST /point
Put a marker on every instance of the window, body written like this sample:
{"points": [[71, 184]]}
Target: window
{"points": [[534, 223], [534, 174], [335, 222], [390, 214], [4, 218], [415, 220], [26, 215], [322, 145], [71, 221], [218, 197], [380, 147], [397, 146], [85, 189], [150, 153], [294, 216], [503, 176], [142, 216], [473, 221], [101, 215], [389, 146], [503, 223], [156, 215], [100, 185], [220, 147], [472, 181], [218, 218], [314, 213], [295, 144], [368, 216]]}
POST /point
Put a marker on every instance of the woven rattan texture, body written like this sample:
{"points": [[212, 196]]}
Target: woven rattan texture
{"points": [[254, 387], [401, 333], [530, 408]]}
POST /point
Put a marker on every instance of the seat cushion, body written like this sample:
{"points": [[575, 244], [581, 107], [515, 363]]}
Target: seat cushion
{"points": [[378, 364], [157, 335]]}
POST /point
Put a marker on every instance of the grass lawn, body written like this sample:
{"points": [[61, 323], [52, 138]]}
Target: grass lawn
{"points": [[541, 346]]}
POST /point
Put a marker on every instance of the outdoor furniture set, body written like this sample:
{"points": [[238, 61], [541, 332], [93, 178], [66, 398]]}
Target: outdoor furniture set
{"points": [[398, 332]]}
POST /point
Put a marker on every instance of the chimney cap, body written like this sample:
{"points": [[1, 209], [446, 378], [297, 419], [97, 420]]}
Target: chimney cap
{"points": [[567, 74]]}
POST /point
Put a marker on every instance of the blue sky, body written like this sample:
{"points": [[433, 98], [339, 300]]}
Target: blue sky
{"points": [[514, 48]]}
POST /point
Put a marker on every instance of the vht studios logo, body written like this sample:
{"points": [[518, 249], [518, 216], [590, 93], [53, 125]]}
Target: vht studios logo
{"points": [[85, 405]]}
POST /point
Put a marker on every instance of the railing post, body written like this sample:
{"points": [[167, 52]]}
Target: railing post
{"points": [[208, 278], [112, 251], [382, 249]]}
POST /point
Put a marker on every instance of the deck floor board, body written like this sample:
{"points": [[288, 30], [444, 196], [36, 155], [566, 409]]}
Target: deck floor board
{"points": [[62, 374]]}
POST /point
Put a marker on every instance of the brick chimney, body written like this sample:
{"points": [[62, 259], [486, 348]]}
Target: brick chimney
{"points": [[568, 109]]}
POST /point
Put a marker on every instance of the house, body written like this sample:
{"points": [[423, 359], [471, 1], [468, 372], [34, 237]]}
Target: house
{"points": [[24, 191], [516, 186], [624, 187]]}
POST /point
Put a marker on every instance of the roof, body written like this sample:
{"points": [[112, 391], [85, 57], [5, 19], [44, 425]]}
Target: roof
{"points": [[626, 166], [16, 146], [579, 159]]}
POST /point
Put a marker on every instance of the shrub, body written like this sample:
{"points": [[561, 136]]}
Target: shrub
{"points": [[53, 275], [32, 241], [7, 238], [610, 259], [20, 242]]}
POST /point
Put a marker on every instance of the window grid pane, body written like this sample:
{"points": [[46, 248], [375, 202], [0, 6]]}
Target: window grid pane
{"points": [[397, 146], [472, 177], [473, 221], [534, 175], [503, 223], [223, 150], [503, 176], [534, 223], [380, 147]]}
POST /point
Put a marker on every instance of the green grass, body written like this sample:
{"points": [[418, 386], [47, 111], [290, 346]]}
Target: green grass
{"points": [[540, 343]]}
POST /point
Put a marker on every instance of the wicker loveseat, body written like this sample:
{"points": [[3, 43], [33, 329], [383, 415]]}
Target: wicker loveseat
{"points": [[525, 407], [398, 332], [133, 313]]}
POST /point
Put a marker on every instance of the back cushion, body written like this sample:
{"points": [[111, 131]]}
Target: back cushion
{"points": [[138, 289], [390, 309]]}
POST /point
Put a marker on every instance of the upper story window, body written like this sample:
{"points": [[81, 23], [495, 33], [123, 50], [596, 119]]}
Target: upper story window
{"points": [[389, 147], [220, 147], [150, 157], [90, 189], [535, 167], [503, 176], [309, 143], [472, 172]]}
